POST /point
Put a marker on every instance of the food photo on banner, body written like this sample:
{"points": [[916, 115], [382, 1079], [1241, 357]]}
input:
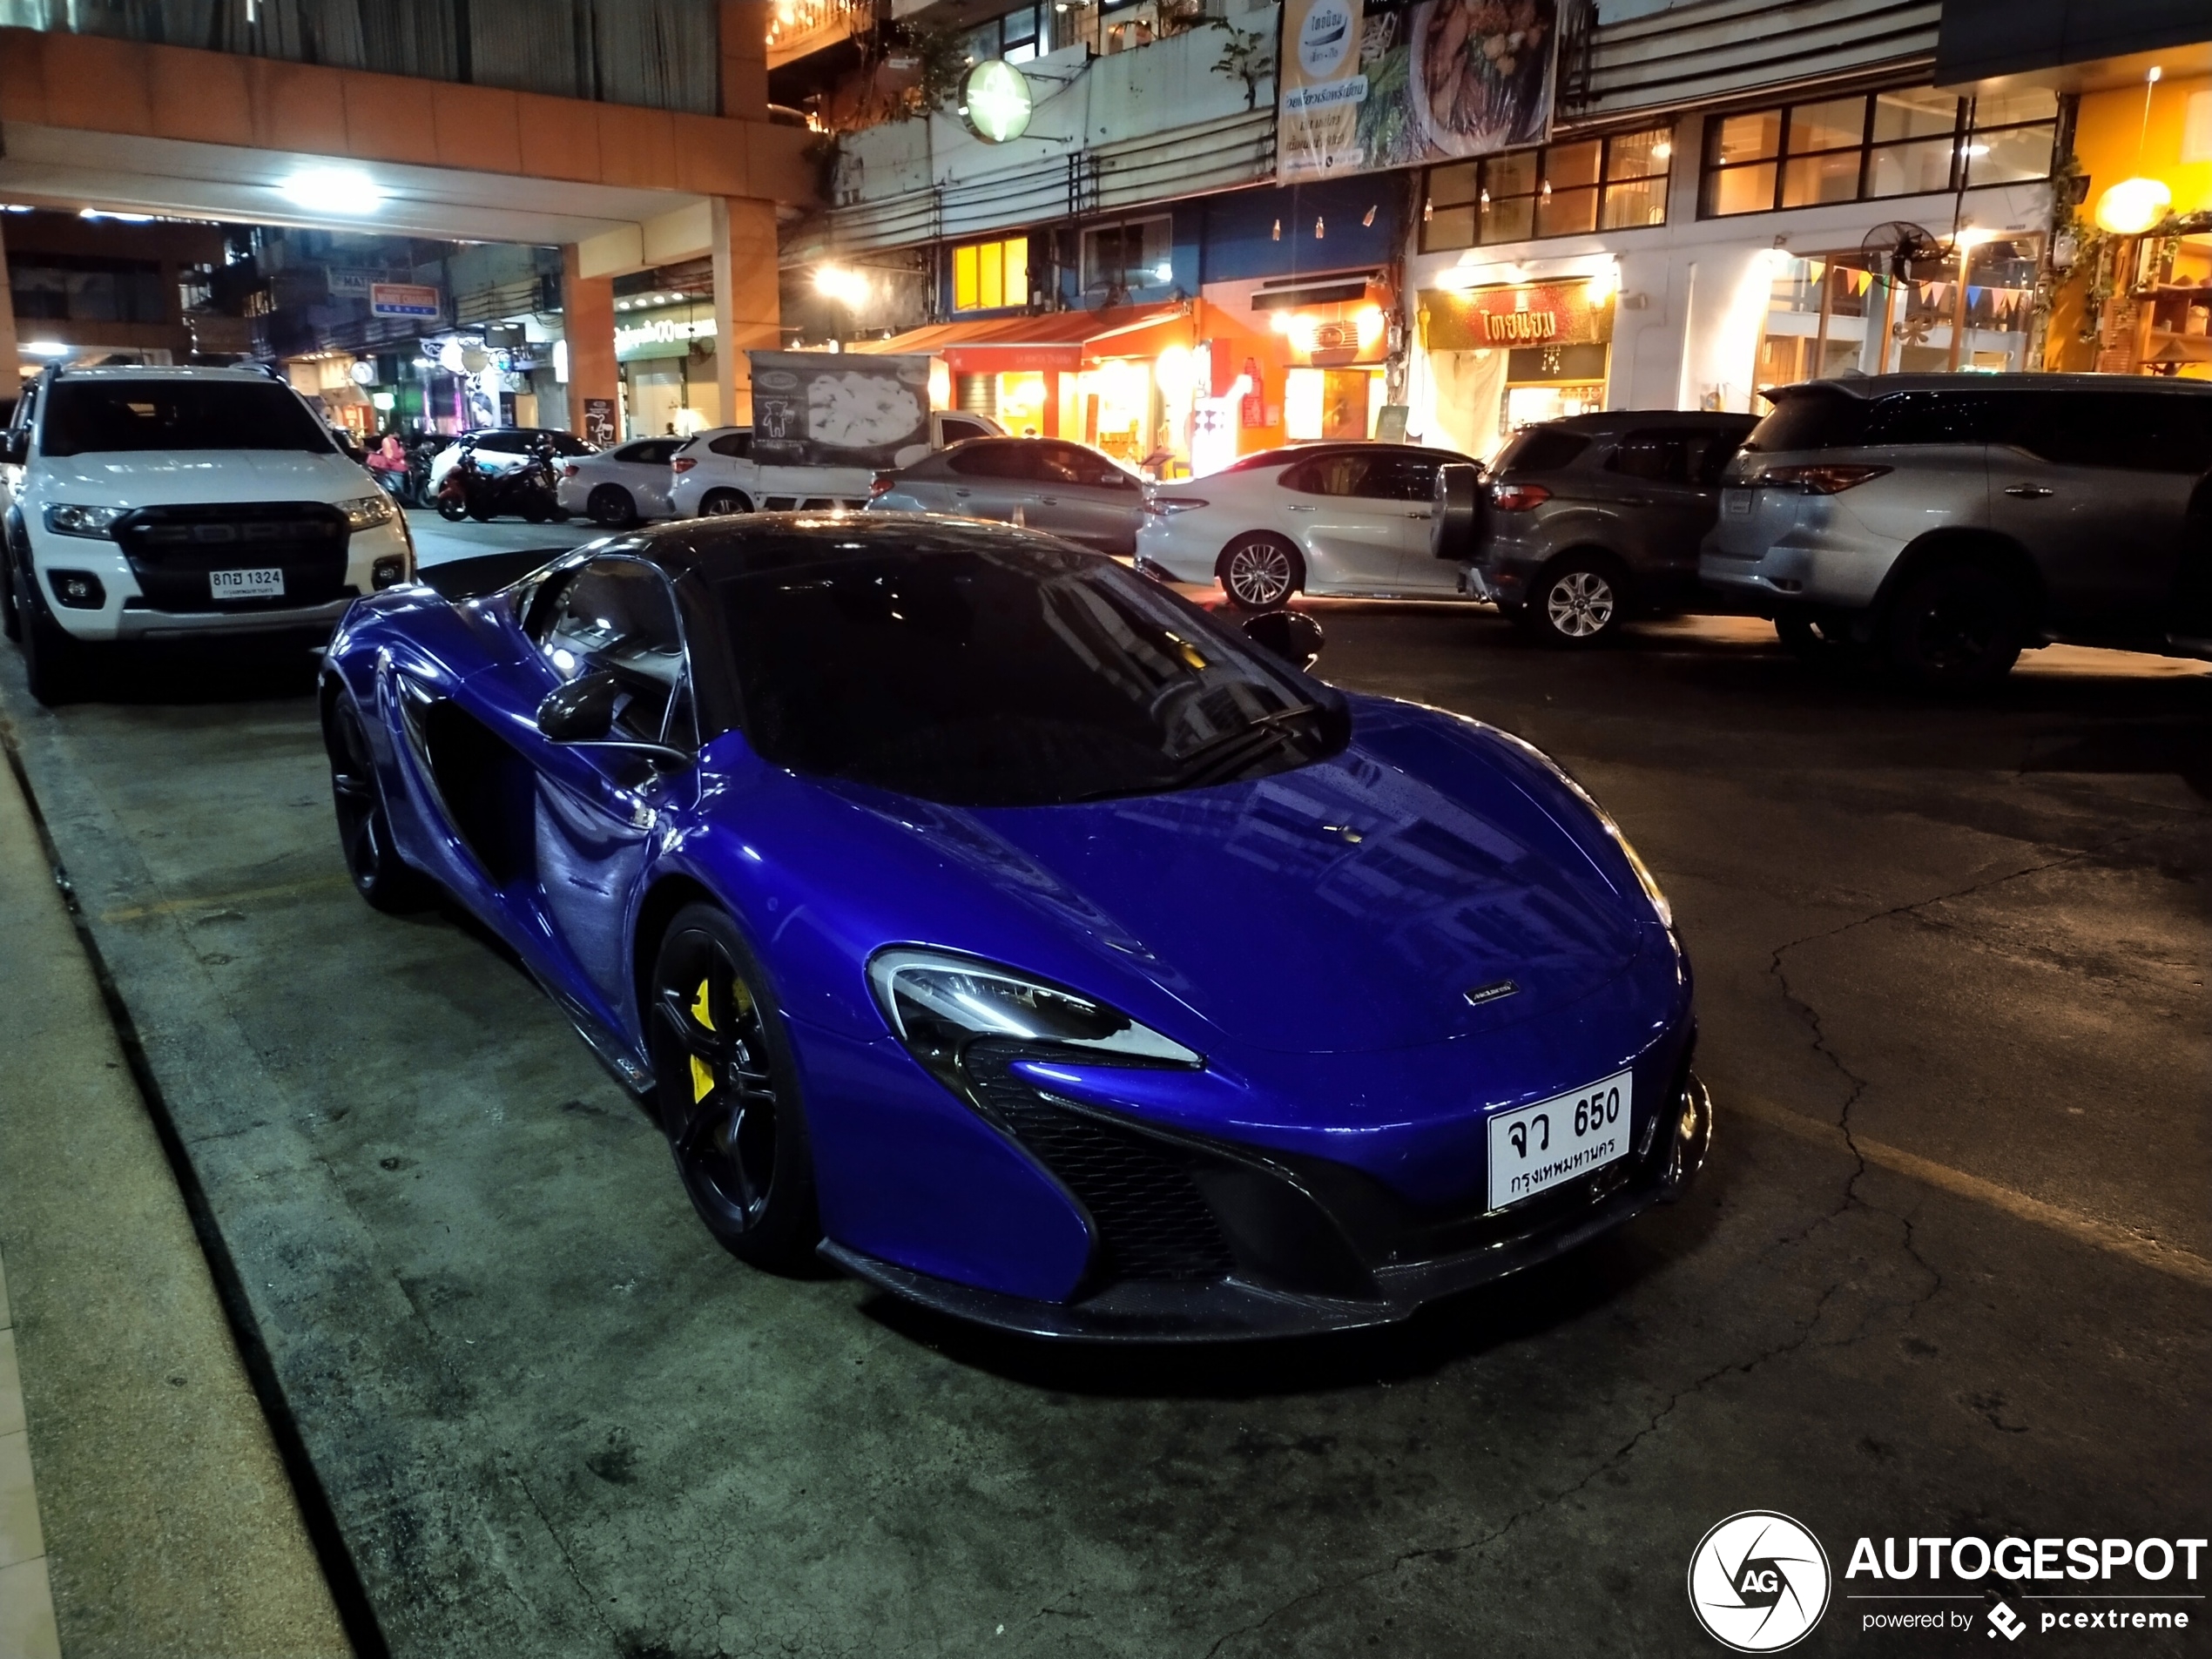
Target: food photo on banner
{"points": [[1367, 86], [836, 409]]}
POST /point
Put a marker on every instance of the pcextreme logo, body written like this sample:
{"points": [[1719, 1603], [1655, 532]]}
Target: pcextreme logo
{"points": [[1758, 1582]]}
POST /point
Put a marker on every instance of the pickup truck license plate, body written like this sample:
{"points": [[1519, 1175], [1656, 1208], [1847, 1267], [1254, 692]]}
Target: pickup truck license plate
{"points": [[1540, 1147], [246, 584]]}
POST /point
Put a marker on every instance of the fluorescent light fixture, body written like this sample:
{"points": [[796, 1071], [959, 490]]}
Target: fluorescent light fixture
{"points": [[334, 190], [46, 348], [125, 219]]}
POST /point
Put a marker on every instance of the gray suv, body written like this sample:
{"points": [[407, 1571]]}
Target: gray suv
{"points": [[1948, 522], [1588, 521]]}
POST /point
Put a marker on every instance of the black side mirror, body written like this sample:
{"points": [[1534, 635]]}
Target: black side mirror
{"points": [[1290, 635], [15, 448], [581, 712]]}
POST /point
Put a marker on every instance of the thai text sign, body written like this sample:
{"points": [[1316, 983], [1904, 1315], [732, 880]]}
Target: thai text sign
{"points": [[1542, 313], [404, 300]]}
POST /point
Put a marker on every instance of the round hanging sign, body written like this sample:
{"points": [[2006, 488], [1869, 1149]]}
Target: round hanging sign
{"points": [[995, 101]]}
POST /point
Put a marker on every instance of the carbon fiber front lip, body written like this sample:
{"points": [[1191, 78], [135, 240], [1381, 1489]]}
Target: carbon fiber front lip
{"points": [[1234, 1310]]}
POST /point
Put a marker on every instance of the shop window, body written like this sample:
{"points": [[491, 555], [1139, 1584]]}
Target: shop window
{"points": [[1910, 141], [987, 275], [1837, 314], [1014, 37], [1616, 182], [1135, 254]]}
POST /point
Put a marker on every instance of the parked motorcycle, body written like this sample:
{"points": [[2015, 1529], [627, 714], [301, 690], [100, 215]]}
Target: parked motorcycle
{"points": [[473, 491]]}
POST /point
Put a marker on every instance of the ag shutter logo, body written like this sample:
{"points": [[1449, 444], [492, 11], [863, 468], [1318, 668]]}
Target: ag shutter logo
{"points": [[1758, 1582]]}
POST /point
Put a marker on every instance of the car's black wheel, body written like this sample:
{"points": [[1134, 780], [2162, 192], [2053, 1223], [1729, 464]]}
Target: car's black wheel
{"points": [[379, 874], [611, 508], [726, 1087], [1956, 626], [1581, 600], [1260, 572], [452, 508], [10, 612], [53, 662], [720, 502]]}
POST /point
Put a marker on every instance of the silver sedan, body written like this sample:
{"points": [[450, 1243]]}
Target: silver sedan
{"points": [[1046, 483]]}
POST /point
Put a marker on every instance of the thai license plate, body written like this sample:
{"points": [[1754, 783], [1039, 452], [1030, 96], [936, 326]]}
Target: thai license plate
{"points": [[1737, 502], [1537, 1148], [246, 584]]}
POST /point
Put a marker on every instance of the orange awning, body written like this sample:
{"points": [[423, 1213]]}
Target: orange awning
{"points": [[1064, 339]]}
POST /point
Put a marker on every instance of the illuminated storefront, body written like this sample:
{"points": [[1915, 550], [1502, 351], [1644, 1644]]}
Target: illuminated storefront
{"points": [[2137, 295], [1507, 354], [666, 358]]}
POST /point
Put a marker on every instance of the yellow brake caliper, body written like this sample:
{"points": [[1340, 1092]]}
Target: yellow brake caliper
{"points": [[702, 1079]]}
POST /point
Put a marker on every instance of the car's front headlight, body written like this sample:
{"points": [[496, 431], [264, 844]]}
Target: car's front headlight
{"points": [[366, 512], [939, 1003], [97, 521]]}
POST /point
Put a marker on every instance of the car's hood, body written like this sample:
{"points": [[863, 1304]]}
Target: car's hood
{"points": [[151, 478], [1346, 906]]}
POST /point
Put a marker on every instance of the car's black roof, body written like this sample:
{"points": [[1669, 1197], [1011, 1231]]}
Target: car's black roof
{"points": [[1601, 422], [1872, 385]]}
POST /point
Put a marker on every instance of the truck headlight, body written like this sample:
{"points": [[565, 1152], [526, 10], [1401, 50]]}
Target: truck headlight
{"points": [[95, 521], [366, 512]]}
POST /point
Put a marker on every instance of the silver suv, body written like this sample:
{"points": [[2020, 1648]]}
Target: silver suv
{"points": [[1948, 522]]}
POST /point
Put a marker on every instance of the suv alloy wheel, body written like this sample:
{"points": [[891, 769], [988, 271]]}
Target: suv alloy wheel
{"points": [[1581, 600]]}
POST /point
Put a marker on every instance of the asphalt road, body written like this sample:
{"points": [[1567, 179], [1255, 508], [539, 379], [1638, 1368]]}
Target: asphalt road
{"points": [[1947, 1272]]}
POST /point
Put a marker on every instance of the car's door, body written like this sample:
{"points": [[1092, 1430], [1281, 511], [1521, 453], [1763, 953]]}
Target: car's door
{"points": [[1084, 496], [992, 478], [1352, 539], [596, 809], [642, 468], [2096, 486], [1665, 495], [1403, 482]]}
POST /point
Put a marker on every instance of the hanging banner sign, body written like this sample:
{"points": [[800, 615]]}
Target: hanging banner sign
{"points": [[1541, 313], [404, 300], [1363, 86]]}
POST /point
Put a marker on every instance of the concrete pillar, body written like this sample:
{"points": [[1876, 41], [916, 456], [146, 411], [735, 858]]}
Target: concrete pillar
{"points": [[744, 58], [747, 311], [9, 349], [588, 323]]}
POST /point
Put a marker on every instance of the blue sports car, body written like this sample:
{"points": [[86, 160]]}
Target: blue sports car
{"points": [[979, 913]]}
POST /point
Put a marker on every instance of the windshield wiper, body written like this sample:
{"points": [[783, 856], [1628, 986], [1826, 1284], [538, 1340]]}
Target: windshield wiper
{"points": [[1225, 756]]}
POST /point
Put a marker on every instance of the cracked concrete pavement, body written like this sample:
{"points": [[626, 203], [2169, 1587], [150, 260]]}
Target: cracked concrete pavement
{"points": [[1969, 939]]}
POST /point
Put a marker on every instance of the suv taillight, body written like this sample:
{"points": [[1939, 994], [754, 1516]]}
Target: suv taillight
{"points": [[881, 484], [683, 464], [1822, 478], [571, 470], [1518, 498]]}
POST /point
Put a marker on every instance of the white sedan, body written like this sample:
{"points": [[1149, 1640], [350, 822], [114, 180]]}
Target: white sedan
{"points": [[622, 486], [1324, 518]]}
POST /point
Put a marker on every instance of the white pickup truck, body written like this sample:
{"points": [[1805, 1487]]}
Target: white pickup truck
{"points": [[717, 472]]}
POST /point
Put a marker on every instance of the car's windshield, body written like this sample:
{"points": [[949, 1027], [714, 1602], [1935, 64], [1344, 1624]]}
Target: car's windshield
{"points": [[1009, 675], [94, 417]]}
